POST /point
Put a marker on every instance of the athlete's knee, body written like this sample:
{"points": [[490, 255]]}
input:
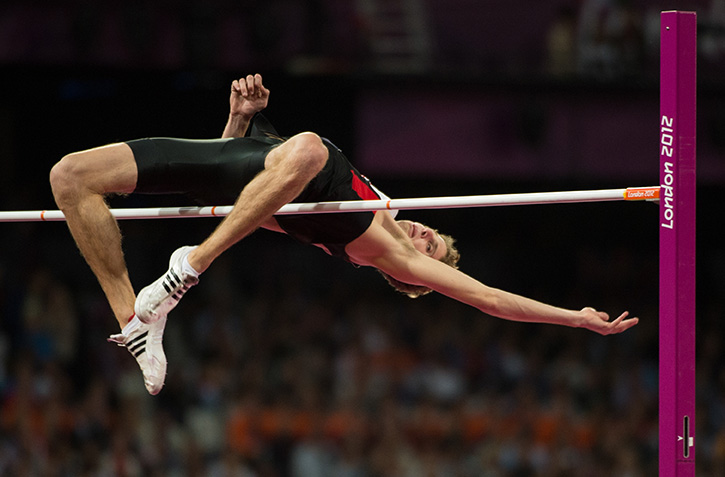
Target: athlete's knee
{"points": [[65, 177], [310, 153]]}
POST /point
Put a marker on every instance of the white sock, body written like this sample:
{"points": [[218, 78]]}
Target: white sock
{"points": [[132, 324], [188, 269]]}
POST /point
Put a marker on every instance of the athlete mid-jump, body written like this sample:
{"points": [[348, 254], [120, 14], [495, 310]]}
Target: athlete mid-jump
{"points": [[260, 172]]}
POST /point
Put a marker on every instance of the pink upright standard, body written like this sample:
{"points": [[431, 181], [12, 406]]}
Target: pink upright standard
{"points": [[678, 85]]}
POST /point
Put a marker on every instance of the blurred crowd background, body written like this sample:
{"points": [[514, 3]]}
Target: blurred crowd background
{"points": [[286, 362]]}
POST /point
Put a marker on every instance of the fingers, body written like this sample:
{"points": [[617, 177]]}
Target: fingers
{"points": [[606, 327], [623, 326], [259, 87], [247, 86], [620, 324], [621, 317], [250, 86], [627, 324]]}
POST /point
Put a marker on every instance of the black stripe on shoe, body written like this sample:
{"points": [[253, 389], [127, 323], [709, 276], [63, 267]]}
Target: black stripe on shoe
{"points": [[142, 336], [178, 280], [136, 346]]}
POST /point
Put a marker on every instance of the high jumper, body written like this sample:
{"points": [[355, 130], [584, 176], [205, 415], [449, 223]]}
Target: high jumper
{"points": [[260, 172]]}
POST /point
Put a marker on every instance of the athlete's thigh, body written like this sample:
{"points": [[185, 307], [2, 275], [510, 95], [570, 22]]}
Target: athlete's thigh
{"points": [[105, 169]]}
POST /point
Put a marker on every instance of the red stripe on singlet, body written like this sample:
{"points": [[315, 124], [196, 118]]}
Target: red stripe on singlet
{"points": [[363, 190]]}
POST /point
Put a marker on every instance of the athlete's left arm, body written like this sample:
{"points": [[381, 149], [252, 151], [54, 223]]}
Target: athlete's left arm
{"points": [[418, 269], [248, 97]]}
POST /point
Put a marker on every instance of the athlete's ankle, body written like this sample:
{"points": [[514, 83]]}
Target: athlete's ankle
{"points": [[131, 325], [124, 323], [192, 265], [187, 268]]}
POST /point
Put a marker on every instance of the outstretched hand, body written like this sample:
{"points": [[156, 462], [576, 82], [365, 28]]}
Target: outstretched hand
{"points": [[248, 96], [599, 321]]}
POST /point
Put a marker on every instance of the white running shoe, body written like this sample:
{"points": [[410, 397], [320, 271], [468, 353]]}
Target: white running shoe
{"points": [[159, 298], [144, 343]]}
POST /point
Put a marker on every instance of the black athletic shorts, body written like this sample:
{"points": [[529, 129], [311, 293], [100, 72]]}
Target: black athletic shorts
{"points": [[214, 171]]}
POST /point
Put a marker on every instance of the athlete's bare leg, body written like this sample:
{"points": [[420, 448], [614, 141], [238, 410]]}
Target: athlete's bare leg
{"points": [[80, 182], [288, 169]]}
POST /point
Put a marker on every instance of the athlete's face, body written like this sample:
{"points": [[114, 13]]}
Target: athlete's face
{"points": [[425, 240]]}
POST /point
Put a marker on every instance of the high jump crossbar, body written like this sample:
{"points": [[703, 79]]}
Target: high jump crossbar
{"points": [[628, 194], [677, 124]]}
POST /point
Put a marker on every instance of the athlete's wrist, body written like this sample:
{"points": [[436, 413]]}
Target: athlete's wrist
{"points": [[240, 116]]}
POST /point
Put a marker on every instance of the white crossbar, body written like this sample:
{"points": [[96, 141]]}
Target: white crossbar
{"points": [[632, 193]]}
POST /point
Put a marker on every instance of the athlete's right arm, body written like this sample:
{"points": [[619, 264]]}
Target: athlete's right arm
{"points": [[383, 251], [422, 270], [248, 97]]}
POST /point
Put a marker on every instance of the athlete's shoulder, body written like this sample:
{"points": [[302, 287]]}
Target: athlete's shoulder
{"points": [[382, 240]]}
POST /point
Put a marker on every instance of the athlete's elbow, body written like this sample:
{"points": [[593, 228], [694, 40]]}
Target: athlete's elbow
{"points": [[489, 302]]}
